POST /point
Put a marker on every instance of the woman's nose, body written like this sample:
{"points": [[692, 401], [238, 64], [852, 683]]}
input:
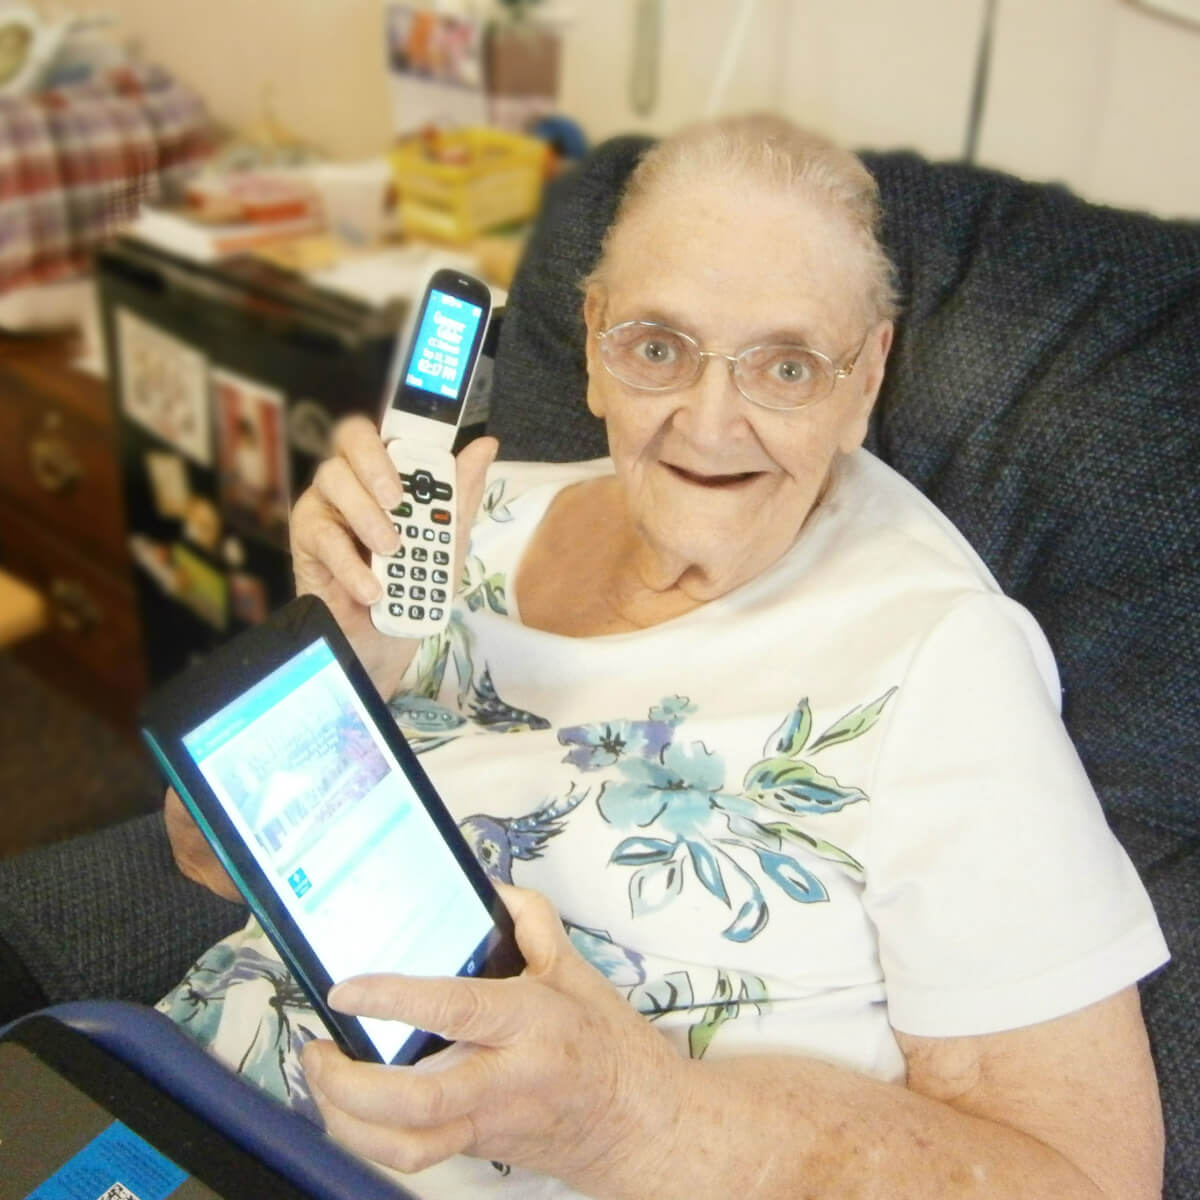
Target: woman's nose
{"points": [[711, 408]]}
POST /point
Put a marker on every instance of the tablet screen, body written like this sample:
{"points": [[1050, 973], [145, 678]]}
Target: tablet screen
{"points": [[339, 831]]}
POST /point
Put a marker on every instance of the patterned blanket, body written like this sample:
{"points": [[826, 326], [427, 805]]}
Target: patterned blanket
{"points": [[76, 162]]}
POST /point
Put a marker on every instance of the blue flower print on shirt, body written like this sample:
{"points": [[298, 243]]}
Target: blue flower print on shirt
{"points": [[597, 746], [428, 723], [620, 965], [269, 1052], [497, 841], [674, 992], [494, 504], [673, 792]]}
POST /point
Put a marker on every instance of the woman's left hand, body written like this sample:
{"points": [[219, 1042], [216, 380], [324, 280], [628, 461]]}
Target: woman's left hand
{"points": [[550, 1070]]}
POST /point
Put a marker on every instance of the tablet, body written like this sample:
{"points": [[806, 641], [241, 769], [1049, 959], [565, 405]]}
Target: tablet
{"points": [[77, 1122], [292, 765]]}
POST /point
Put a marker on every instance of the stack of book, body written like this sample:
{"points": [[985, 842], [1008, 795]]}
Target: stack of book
{"points": [[230, 214]]}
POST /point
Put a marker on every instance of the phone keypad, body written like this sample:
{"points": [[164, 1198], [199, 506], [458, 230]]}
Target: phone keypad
{"points": [[424, 520]]}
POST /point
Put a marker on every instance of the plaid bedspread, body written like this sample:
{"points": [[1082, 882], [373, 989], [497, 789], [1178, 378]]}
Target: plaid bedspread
{"points": [[77, 162]]}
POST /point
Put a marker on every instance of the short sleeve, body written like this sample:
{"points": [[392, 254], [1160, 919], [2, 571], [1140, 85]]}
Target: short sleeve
{"points": [[999, 894]]}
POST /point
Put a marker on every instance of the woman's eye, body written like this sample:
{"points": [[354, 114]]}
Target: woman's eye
{"points": [[792, 370], [657, 352]]}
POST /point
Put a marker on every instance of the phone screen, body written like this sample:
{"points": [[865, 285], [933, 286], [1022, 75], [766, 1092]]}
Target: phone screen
{"points": [[339, 831], [437, 366]]}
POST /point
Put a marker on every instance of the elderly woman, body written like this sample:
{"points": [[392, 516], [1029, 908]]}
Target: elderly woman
{"points": [[827, 905]]}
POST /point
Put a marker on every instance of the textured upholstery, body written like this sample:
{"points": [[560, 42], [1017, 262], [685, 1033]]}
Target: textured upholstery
{"points": [[1045, 393], [105, 916]]}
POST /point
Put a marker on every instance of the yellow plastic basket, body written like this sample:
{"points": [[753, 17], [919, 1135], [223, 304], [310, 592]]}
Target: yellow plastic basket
{"points": [[497, 181]]}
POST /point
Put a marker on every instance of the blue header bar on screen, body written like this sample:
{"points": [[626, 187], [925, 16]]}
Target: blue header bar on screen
{"points": [[252, 703]]}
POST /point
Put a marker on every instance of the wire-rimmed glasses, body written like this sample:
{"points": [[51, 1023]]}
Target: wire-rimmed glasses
{"points": [[657, 358]]}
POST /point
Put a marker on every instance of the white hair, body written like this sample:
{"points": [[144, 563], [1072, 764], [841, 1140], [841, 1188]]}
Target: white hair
{"points": [[771, 151]]}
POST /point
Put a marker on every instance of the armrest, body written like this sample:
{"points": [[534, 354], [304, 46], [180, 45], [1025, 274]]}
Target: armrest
{"points": [[283, 1140]]}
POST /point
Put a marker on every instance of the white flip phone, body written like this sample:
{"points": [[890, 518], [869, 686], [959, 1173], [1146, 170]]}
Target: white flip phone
{"points": [[419, 425]]}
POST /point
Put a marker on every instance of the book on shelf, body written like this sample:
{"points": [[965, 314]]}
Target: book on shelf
{"points": [[205, 241]]}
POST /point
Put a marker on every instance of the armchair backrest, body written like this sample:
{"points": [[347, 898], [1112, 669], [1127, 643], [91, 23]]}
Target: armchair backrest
{"points": [[1044, 391]]}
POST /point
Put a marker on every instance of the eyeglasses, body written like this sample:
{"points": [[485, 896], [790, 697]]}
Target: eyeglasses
{"points": [[657, 358]]}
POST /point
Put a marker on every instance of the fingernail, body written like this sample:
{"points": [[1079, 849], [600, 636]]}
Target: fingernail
{"points": [[389, 493], [370, 590], [384, 546], [342, 997]]}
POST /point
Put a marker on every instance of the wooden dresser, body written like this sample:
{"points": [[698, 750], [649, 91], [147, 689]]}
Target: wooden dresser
{"points": [[62, 525]]}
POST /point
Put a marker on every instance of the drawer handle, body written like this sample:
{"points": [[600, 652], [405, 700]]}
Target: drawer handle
{"points": [[54, 464], [74, 609]]}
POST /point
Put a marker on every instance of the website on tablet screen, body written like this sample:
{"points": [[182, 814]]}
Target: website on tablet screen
{"points": [[338, 829]]}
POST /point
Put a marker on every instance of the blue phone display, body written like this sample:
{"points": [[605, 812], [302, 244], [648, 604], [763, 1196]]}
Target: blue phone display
{"points": [[443, 345]]}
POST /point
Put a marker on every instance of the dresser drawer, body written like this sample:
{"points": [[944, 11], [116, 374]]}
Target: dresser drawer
{"points": [[59, 468], [92, 633]]}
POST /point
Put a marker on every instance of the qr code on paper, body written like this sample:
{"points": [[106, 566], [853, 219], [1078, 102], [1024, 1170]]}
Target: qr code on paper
{"points": [[118, 1191]]}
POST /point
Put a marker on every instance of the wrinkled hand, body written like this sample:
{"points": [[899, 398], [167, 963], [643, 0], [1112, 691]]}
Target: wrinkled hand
{"points": [[550, 1070], [193, 855], [342, 513]]}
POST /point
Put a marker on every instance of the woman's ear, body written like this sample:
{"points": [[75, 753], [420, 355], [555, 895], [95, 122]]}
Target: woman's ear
{"points": [[875, 353], [593, 316], [872, 359]]}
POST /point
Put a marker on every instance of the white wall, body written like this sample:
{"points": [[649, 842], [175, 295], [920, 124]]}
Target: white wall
{"points": [[863, 70], [1098, 94], [879, 74], [598, 60], [1101, 95], [321, 61]]}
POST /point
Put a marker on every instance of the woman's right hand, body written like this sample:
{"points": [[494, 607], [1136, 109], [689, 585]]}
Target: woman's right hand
{"points": [[342, 514]]}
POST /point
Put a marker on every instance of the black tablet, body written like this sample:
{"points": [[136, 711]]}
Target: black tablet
{"points": [[77, 1122], [293, 767]]}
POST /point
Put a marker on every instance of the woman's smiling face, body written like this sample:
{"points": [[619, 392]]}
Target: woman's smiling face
{"points": [[716, 487]]}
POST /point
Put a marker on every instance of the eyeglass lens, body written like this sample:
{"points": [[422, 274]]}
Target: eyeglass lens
{"points": [[658, 358]]}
